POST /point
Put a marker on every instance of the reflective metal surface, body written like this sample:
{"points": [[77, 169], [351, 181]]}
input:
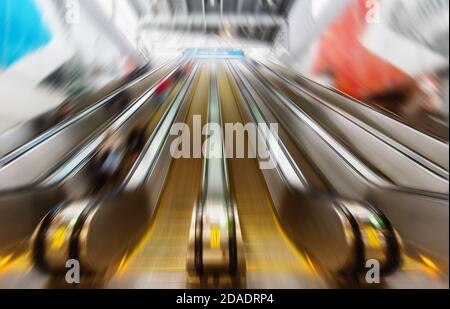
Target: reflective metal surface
{"points": [[297, 224]]}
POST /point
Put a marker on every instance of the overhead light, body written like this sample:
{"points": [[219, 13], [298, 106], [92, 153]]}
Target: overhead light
{"points": [[212, 3]]}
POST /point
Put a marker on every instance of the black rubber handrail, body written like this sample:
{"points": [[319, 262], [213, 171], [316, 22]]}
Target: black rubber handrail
{"points": [[38, 246], [232, 238]]}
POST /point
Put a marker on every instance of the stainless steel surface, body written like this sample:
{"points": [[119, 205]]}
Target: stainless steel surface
{"points": [[352, 179], [214, 238], [19, 139], [91, 242], [312, 221], [160, 258], [112, 228], [395, 161]]}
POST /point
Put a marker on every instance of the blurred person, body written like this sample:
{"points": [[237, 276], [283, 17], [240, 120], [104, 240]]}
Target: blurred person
{"points": [[123, 99], [420, 29], [108, 159], [178, 73], [162, 91], [139, 71], [65, 110], [187, 68], [353, 68], [136, 140], [425, 96], [182, 71]]}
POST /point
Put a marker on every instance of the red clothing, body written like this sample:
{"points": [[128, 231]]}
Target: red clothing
{"points": [[163, 86]]}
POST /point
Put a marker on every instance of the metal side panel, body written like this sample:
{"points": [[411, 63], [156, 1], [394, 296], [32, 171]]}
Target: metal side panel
{"points": [[434, 149], [401, 165], [397, 203], [21, 211], [331, 243], [39, 161], [117, 224]]}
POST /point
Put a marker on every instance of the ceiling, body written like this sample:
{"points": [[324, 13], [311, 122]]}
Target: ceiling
{"points": [[275, 7], [248, 19]]}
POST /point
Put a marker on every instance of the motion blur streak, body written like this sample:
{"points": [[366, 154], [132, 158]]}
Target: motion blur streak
{"points": [[356, 193]]}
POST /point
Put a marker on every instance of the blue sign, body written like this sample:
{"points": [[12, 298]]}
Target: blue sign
{"points": [[214, 53]]}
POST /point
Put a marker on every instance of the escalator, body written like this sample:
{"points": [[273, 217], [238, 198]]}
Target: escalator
{"points": [[374, 113], [23, 136], [272, 260], [202, 220], [406, 169], [44, 154], [72, 178], [57, 226], [397, 203], [270, 255], [159, 260], [405, 137]]}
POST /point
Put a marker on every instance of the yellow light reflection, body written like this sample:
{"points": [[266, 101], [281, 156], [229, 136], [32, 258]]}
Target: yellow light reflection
{"points": [[15, 263], [425, 265], [58, 238], [4, 260], [372, 237], [215, 237], [428, 262]]}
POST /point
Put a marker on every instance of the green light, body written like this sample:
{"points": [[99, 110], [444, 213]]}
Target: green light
{"points": [[375, 222]]}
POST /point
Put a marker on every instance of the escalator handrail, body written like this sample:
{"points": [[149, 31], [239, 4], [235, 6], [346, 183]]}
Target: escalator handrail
{"points": [[38, 245], [86, 151], [384, 185], [353, 100], [91, 146], [247, 95], [405, 150], [35, 141], [231, 220], [80, 220], [232, 234], [180, 96]]}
